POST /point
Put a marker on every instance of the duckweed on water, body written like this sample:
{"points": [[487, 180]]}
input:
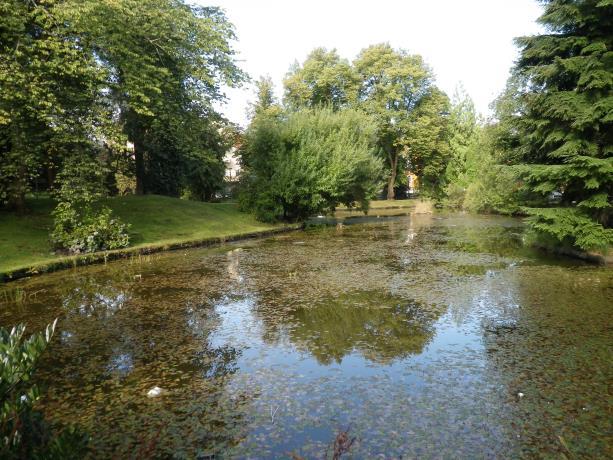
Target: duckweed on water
{"points": [[416, 332]]}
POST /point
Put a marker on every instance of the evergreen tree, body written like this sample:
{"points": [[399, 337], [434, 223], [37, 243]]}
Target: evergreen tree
{"points": [[566, 122]]}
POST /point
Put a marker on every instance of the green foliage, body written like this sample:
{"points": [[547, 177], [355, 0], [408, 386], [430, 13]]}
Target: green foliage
{"points": [[568, 227], [324, 79], [80, 224], [475, 179], [165, 66], [47, 102], [397, 90], [155, 221], [464, 133], [308, 162], [24, 433], [81, 231], [82, 77], [564, 123], [427, 143], [266, 103], [496, 189]]}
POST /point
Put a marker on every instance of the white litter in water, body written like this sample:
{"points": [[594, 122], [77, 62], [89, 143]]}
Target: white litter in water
{"points": [[154, 392]]}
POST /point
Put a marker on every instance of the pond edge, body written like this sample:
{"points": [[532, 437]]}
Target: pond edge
{"points": [[105, 256]]}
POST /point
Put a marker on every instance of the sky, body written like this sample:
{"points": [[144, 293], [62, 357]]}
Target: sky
{"points": [[467, 42]]}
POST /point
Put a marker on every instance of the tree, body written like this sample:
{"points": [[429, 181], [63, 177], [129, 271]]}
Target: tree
{"points": [[162, 57], [266, 102], [427, 142], [463, 134], [566, 120], [323, 80], [397, 90], [308, 162], [48, 97]]}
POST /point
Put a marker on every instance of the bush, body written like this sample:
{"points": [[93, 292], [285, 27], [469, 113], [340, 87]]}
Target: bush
{"points": [[308, 163], [80, 223], [494, 191], [80, 232], [24, 432]]}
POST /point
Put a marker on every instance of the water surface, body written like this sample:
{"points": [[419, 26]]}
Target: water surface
{"points": [[428, 336]]}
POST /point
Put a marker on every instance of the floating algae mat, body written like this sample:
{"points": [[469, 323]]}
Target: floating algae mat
{"points": [[421, 336]]}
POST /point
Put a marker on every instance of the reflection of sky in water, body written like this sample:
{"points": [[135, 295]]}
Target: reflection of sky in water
{"points": [[86, 303], [294, 385], [121, 364]]}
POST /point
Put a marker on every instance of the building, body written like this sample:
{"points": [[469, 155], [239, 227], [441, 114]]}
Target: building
{"points": [[233, 168]]}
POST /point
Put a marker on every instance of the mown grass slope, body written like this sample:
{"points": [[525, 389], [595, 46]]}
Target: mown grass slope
{"points": [[155, 221]]}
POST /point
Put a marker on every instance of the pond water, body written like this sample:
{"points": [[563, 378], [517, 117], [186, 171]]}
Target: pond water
{"points": [[422, 336]]}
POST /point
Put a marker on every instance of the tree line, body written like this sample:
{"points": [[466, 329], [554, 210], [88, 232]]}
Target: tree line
{"points": [[548, 151], [105, 97], [387, 99], [545, 153]]}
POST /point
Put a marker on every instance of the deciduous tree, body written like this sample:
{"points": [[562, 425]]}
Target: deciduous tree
{"points": [[397, 90]]}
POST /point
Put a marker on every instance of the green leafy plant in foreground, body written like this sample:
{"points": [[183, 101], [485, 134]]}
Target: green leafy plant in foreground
{"points": [[23, 431]]}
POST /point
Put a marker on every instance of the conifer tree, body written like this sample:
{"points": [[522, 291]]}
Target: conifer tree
{"points": [[566, 122]]}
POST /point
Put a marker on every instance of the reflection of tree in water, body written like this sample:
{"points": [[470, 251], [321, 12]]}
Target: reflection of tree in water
{"points": [[379, 327], [92, 298], [503, 237], [116, 344]]}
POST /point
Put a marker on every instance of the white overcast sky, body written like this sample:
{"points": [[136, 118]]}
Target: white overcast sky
{"points": [[464, 41]]}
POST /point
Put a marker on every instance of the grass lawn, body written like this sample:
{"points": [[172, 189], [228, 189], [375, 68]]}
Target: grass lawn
{"points": [[155, 221], [382, 204], [389, 204]]}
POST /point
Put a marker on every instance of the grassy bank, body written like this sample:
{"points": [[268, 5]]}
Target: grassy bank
{"points": [[387, 204], [157, 222]]}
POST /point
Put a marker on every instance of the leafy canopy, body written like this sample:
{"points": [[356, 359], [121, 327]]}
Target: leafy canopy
{"points": [[304, 163]]}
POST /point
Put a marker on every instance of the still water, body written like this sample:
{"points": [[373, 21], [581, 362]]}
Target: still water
{"points": [[423, 336]]}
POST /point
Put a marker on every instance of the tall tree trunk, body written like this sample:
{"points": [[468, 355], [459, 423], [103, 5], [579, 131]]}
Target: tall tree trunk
{"points": [[393, 156]]}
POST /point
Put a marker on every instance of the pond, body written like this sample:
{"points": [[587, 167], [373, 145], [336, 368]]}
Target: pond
{"points": [[428, 336]]}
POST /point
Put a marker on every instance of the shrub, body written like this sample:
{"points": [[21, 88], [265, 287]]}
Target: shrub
{"points": [[80, 223], [81, 232], [495, 190], [24, 432]]}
